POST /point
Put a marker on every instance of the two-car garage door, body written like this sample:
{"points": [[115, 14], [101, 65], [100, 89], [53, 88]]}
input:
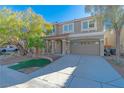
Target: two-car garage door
{"points": [[85, 47]]}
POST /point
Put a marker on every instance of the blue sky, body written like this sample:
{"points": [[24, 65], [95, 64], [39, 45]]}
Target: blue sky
{"points": [[54, 13]]}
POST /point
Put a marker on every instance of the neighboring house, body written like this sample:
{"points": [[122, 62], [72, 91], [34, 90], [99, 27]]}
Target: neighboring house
{"points": [[109, 40], [80, 36]]}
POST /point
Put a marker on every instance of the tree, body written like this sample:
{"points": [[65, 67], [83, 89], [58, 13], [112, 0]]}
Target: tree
{"points": [[115, 15], [35, 29], [25, 29]]}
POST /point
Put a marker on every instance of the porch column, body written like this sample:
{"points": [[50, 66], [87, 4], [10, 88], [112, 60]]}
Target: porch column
{"points": [[63, 46], [101, 47], [55, 47], [68, 47], [52, 46], [47, 46]]}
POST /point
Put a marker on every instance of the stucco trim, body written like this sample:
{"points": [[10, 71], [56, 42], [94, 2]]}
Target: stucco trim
{"points": [[87, 34]]}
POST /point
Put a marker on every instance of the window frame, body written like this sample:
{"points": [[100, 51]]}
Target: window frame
{"points": [[54, 32], [94, 24], [68, 31], [83, 23], [89, 28], [64, 28]]}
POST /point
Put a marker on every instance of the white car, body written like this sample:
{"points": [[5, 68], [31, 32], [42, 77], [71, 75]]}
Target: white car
{"points": [[9, 48]]}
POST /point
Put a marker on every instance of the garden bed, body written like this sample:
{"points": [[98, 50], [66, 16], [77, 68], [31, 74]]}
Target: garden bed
{"points": [[119, 67]]}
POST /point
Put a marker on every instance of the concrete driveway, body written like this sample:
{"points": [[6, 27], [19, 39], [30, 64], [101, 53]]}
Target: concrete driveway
{"points": [[71, 71]]}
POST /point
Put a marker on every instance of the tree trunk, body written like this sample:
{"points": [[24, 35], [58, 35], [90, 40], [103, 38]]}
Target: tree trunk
{"points": [[37, 53], [118, 46], [23, 51]]}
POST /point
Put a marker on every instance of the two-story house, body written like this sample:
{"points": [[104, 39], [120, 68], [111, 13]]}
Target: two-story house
{"points": [[80, 36]]}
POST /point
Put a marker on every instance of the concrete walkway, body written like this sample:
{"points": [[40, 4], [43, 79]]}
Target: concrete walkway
{"points": [[71, 71]]}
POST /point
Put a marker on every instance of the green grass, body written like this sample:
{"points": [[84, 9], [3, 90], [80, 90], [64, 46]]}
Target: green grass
{"points": [[31, 63]]}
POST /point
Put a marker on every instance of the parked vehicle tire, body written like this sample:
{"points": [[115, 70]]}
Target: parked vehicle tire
{"points": [[15, 50], [4, 50]]}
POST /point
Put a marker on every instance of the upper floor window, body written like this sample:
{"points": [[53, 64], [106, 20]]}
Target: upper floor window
{"points": [[92, 24], [53, 31], [70, 27], [85, 25], [67, 28], [107, 24], [89, 24]]}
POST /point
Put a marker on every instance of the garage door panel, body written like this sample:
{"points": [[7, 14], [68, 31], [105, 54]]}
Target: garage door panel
{"points": [[87, 49]]}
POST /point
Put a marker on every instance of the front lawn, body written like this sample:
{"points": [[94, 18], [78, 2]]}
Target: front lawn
{"points": [[29, 65]]}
